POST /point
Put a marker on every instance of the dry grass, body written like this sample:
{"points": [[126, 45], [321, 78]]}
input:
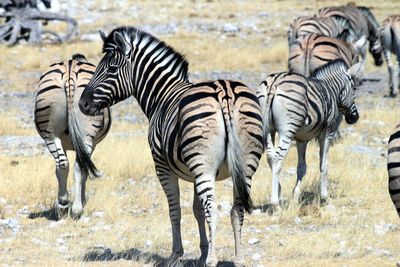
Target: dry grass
{"points": [[134, 205]]}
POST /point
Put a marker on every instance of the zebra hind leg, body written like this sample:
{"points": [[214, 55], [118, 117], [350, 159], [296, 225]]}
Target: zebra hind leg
{"points": [[205, 190], [323, 153], [301, 168], [198, 212], [237, 218], [62, 168], [79, 192]]}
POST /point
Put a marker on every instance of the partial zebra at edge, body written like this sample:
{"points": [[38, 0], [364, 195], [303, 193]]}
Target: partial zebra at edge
{"points": [[393, 167]]}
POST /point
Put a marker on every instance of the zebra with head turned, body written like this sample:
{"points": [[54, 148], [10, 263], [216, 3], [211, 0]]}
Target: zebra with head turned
{"points": [[63, 126], [301, 109], [363, 24], [197, 132], [390, 39], [326, 26], [393, 167]]}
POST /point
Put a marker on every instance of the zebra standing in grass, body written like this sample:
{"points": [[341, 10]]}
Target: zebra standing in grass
{"points": [[390, 39], [63, 127], [301, 109], [393, 166], [363, 24], [312, 51], [326, 26], [198, 132]]}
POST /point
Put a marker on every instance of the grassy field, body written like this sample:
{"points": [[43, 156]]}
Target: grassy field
{"points": [[125, 221]]}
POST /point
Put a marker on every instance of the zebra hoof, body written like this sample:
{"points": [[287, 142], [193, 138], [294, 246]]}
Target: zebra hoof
{"points": [[62, 209], [175, 259], [76, 213], [211, 262], [323, 202]]}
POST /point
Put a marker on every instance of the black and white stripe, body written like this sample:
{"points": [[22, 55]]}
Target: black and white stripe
{"points": [[327, 26], [301, 109], [198, 132], [64, 127], [393, 167]]}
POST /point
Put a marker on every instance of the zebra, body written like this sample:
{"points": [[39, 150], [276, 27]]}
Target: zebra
{"points": [[393, 166], [390, 39], [327, 26], [62, 126], [311, 51], [197, 132], [301, 109], [363, 25]]}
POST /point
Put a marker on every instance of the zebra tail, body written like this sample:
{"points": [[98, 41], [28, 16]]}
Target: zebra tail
{"points": [[83, 156], [236, 167]]}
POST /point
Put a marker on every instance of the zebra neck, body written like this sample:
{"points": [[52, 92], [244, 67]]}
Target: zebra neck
{"points": [[158, 92]]}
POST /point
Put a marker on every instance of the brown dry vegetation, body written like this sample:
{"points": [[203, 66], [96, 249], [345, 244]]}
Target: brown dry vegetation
{"points": [[134, 205]]}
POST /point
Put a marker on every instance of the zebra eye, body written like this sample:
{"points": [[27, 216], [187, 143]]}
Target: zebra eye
{"points": [[113, 69]]}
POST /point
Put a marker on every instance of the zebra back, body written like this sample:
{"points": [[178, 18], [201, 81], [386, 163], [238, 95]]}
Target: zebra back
{"points": [[393, 167], [312, 51]]}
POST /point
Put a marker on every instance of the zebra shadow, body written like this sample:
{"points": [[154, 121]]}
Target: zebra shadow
{"points": [[133, 254], [50, 214]]}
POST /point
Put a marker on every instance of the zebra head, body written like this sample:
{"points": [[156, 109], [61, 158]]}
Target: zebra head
{"points": [[347, 103], [111, 81]]}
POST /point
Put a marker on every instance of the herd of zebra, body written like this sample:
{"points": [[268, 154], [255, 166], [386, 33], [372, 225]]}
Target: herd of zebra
{"points": [[213, 130]]}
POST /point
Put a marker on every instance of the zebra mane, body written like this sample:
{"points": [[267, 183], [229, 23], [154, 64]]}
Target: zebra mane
{"points": [[370, 17], [134, 36], [335, 66]]}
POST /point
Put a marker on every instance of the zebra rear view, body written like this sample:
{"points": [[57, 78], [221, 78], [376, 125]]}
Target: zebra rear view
{"points": [[301, 109], [63, 127]]}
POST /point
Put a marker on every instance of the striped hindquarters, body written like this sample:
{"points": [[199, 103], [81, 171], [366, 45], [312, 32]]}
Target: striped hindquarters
{"points": [[390, 34], [312, 51], [327, 26], [393, 166]]}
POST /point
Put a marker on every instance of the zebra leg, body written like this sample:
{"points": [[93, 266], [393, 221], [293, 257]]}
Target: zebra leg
{"points": [[392, 77], [237, 217], [301, 168], [198, 212], [79, 192], [205, 189], [323, 165], [170, 186], [276, 162], [62, 168]]}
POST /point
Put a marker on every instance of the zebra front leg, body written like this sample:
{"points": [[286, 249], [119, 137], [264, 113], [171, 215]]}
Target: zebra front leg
{"points": [[205, 190], [323, 154], [170, 186], [62, 168], [79, 192], [237, 217], [301, 168], [198, 212]]}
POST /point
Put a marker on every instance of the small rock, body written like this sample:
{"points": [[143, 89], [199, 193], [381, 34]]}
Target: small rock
{"points": [[331, 208], [11, 223], [382, 252], [23, 211], [256, 212], [272, 228], [297, 220], [98, 214], [263, 14], [253, 241], [230, 28], [256, 256], [131, 181], [61, 241], [148, 243]]}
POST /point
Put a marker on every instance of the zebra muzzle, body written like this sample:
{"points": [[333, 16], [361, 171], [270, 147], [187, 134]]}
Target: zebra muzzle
{"points": [[352, 117]]}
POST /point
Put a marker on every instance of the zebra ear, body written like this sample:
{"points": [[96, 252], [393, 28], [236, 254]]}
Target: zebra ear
{"points": [[121, 43], [355, 69], [102, 35]]}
